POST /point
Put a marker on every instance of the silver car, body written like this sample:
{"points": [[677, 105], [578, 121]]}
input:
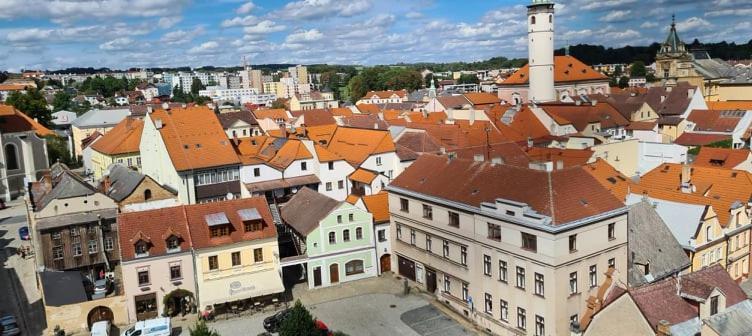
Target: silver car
{"points": [[9, 326]]}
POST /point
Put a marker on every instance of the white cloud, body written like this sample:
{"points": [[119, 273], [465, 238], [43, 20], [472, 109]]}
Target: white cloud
{"points": [[506, 13], [117, 44], [414, 15], [317, 9], [604, 4], [240, 21], [245, 8], [693, 23], [205, 48], [616, 15], [71, 10], [168, 21], [264, 27], [646, 25], [730, 12], [304, 36], [181, 36]]}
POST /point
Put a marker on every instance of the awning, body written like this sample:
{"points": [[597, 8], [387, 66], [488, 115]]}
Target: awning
{"points": [[249, 214], [240, 287], [282, 183]]}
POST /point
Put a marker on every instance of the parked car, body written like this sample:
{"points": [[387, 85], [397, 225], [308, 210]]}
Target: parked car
{"points": [[23, 232], [9, 326], [102, 287], [101, 328], [272, 323], [155, 327]]}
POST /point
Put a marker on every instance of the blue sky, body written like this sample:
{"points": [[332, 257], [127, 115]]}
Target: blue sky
{"points": [[53, 34]]}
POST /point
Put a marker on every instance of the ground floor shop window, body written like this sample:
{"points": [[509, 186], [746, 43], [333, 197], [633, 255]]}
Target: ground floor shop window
{"points": [[354, 267]]}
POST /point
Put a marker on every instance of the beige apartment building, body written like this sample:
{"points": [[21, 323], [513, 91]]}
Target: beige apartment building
{"points": [[515, 250]]}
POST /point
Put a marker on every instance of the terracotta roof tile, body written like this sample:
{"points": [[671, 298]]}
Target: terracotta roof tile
{"points": [[482, 98], [566, 69], [724, 121], [273, 114], [356, 144], [385, 94], [230, 118], [199, 230], [315, 117], [363, 176], [291, 151], [524, 124], [17, 121], [194, 138], [580, 116], [730, 105], [325, 155], [610, 178], [125, 137], [471, 183], [419, 142], [378, 206], [454, 101], [670, 100], [569, 157], [700, 139], [157, 225], [642, 126], [368, 121], [342, 111], [352, 199], [721, 157], [12, 87], [321, 134], [368, 108], [719, 187]]}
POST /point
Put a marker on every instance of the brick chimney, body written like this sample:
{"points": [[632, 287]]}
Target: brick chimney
{"points": [[106, 183]]}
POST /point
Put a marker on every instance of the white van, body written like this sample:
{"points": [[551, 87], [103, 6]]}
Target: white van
{"points": [[100, 328], [155, 327]]}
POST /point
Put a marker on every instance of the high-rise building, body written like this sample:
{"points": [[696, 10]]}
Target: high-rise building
{"points": [[300, 73], [540, 25]]}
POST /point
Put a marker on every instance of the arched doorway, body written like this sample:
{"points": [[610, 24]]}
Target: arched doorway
{"points": [[386, 263], [178, 302], [99, 313], [334, 273]]}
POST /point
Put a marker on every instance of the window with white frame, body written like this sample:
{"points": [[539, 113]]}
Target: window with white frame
{"points": [[593, 275], [540, 326], [502, 271], [520, 277], [446, 249], [465, 292], [504, 308], [412, 236], [487, 265], [447, 284], [463, 255], [521, 318], [428, 243], [573, 283], [539, 289], [488, 303]]}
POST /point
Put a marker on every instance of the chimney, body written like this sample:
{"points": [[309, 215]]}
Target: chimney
{"points": [[559, 164], [106, 183], [450, 114], [442, 150], [663, 328], [375, 125], [158, 124], [165, 106], [529, 142], [690, 93], [472, 116], [663, 98], [594, 102], [149, 109], [283, 128], [686, 179], [578, 102]]}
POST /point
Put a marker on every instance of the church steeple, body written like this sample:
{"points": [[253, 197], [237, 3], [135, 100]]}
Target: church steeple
{"points": [[673, 44]]}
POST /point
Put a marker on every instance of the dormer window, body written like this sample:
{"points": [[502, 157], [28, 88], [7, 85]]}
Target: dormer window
{"points": [[252, 220], [142, 249], [219, 231], [218, 224], [173, 244]]}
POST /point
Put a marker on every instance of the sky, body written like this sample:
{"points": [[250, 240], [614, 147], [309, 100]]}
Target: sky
{"points": [[55, 34]]}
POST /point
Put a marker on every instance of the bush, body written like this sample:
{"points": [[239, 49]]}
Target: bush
{"points": [[201, 329]]}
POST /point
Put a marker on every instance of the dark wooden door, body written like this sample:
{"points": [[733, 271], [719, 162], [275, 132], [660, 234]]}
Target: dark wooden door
{"points": [[406, 267], [430, 280], [317, 277], [386, 263], [334, 273]]}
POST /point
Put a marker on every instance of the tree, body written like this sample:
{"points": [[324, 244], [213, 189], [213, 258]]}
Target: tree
{"points": [[57, 150], [197, 86], [61, 101], [429, 78], [357, 88], [650, 78], [617, 71], [623, 82], [32, 103], [201, 329], [468, 79], [637, 69], [299, 322], [3, 76], [279, 103]]}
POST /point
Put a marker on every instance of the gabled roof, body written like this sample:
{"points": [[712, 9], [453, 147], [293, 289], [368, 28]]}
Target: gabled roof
{"points": [[454, 101], [101, 118], [670, 100], [290, 151], [306, 209], [722, 121], [363, 176], [368, 108], [730, 105], [642, 125], [721, 157], [419, 142], [158, 225], [199, 228], [378, 206], [719, 187], [230, 118], [273, 114], [517, 125], [316, 117], [566, 69], [325, 155], [652, 243], [12, 121], [121, 139], [66, 184], [580, 116], [549, 193], [123, 181], [610, 178], [369, 121], [660, 301], [194, 138], [700, 139], [385, 94], [356, 144], [482, 98]]}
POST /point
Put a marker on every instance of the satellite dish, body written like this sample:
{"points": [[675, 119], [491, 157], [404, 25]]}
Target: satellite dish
{"points": [[230, 196]]}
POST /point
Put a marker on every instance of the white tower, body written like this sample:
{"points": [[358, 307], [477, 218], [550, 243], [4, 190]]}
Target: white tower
{"points": [[540, 23]]}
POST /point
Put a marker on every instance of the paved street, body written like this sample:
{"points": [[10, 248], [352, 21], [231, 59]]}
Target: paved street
{"points": [[18, 293], [366, 307]]}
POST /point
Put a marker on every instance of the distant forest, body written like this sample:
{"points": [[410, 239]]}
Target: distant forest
{"points": [[596, 54]]}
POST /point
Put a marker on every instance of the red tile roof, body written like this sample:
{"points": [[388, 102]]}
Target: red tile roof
{"points": [[16, 121], [700, 139], [385, 94], [730, 105], [721, 157], [368, 108], [271, 114], [660, 300], [124, 138], [482, 98], [378, 206], [199, 230], [194, 138], [566, 69], [564, 195], [154, 226], [580, 116], [724, 121], [355, 144], [316, 117]]}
